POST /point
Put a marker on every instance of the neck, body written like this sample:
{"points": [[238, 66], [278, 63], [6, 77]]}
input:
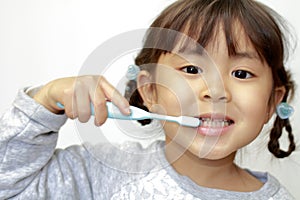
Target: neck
{"points": [[220, 174]]}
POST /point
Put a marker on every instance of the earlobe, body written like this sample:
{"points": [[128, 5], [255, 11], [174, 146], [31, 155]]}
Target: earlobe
{"points": [[145, 86], [279, 93]]}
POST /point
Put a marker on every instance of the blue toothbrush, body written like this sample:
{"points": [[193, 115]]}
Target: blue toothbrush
{"points": [[139, 114]]}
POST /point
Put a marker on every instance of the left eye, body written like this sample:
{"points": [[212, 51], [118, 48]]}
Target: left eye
{"points": [[242, 74], [191, 69]]}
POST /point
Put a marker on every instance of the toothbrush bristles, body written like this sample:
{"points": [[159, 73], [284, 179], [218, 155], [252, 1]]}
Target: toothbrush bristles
{"points": [[189, 121]]}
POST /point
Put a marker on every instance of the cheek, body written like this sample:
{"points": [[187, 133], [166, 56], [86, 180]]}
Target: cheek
{"points": [[253, 113], [167, 102], [253, 103], [175, 101], [175, 92]]}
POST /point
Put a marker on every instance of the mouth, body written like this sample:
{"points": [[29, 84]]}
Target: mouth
{"points": [[214, 125], [215, 122]]}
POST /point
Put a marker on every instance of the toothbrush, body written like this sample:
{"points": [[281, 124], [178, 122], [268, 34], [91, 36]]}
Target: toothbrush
{"points": [[139, 114]]}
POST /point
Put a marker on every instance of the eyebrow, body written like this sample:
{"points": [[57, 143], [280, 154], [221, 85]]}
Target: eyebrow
{"points": [[201, 51], [191, 48], [245, 54], [185, 50]]}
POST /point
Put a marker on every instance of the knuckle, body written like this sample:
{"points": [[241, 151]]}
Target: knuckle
{"points": [[82, 81], [68, 91], [100, 103], [89, 79], [79, 83], [101, 79], [71, 114]]}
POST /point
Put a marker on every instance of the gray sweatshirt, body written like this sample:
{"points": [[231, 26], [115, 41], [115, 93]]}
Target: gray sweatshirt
{"points": [[31, 167]]}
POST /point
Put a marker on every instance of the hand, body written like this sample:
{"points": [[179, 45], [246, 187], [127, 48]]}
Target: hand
{"points": [[77, 93]]}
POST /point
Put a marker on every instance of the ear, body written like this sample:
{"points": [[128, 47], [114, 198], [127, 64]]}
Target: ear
{"points": [[146, 88], [278, 96]]}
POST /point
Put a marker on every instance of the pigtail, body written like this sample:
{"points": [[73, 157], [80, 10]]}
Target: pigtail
{"points": [[276, 132], [280, 124]]}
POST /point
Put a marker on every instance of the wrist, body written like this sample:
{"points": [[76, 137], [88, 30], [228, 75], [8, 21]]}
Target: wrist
{"points": [[42, 97]]}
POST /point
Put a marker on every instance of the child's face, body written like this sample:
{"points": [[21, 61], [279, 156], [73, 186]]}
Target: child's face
{"points": [[230, 95]]}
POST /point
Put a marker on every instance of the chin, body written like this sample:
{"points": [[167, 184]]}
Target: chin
{"points": [[213, 153], [217, 155]]}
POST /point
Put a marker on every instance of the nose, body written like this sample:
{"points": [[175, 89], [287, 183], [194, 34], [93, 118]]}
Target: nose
{"points": [[215, 91]]}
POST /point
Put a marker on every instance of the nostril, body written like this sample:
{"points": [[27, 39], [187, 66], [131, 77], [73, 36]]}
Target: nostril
{"points": [[215, 95], [209, 98], [206, 97], [223, 98]]}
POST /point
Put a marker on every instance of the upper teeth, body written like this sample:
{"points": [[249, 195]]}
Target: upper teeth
{"points": [[215, 122]]}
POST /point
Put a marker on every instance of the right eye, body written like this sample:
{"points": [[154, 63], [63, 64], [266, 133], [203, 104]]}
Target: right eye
{"points": [[242, 74], [191, 69]]}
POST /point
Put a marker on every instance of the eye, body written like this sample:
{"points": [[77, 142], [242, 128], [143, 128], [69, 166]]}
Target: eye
{"points": [[242, 74], [191, 69]]}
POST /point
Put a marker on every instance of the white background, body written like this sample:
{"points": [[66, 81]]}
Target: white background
{"points": [[44, 40]]}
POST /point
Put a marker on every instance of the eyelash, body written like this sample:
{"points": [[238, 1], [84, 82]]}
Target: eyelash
{"points": [[191, 67], [244, 72], [237, 73]]}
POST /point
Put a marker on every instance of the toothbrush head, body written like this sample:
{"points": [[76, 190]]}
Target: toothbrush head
{"points": [[189, 121]]}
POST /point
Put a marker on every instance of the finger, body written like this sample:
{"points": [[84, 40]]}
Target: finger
{"points": [[82, 101], [69, 103], [112, 94], [99, 102]]}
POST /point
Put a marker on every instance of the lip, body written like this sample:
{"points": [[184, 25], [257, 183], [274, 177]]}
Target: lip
{"points": [[214, 124]]}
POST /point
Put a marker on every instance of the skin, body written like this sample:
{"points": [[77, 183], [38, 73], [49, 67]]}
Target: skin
{"points": [[77, 93], [207, 160], [236, 88]]}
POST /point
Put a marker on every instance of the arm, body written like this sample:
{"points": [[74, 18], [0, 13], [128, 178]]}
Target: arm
{"points": [[28, 136]]}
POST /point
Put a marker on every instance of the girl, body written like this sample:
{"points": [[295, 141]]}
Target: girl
{"points": [[220, 61]]}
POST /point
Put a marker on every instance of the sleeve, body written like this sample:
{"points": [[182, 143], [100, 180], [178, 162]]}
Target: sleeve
{"points": [[28, 137], [283, 194]]}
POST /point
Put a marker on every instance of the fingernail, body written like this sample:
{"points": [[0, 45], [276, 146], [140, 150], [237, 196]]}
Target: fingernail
{"points": [[97, 123], [127, 110]]}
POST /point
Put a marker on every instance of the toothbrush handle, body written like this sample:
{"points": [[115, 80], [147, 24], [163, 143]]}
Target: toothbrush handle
{"points": [[163, 117], [112, 110], [138, 114]]}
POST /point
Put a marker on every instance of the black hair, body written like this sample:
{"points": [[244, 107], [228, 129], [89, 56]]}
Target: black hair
{"points": [[200, 20]]}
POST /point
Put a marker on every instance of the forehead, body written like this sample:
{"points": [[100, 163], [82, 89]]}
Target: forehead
{"points": [[236, 44]]}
